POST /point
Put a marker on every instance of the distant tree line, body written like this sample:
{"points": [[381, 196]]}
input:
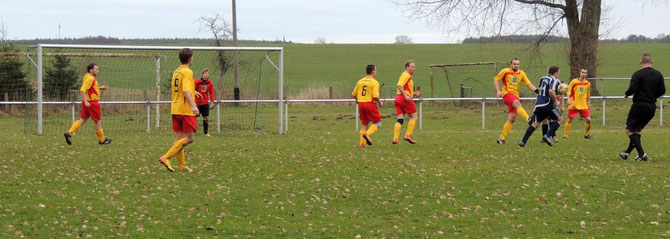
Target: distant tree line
{"points": [[515, 39], [661, 38], [102, 40]]}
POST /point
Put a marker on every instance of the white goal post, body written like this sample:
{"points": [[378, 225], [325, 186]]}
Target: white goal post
{"points": [[280, 99]]}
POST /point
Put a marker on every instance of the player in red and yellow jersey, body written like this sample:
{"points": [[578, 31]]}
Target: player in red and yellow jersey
{"points": [[205, 87], [511, 79], [366, 94], [183, 110], [90, 108], [579, 101], [404, 103]]}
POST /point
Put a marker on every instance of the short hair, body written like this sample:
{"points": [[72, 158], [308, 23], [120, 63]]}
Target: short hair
{"points": [[583, 69], [408, 62], [90, 67], [513, 59], [646, 58], [184, 55], [552, 70], [205, 70], [369, 69]]}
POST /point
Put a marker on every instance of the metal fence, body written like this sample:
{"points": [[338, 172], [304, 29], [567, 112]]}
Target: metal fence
{"points": [[284, 121]]}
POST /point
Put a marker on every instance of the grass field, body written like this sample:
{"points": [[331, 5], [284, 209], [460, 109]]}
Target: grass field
{"points": [[315, 182]]}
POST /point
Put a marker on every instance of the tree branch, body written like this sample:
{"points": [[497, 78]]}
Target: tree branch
{"points": [[540, 2]]}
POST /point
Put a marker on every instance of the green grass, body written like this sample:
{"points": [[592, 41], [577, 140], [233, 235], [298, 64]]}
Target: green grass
{"points": [[315, 182], [317, 67]]}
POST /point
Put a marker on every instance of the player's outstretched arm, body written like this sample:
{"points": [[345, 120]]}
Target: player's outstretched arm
{"points": [[497, 86], [191, 102], [103, 87], [83, 99]]}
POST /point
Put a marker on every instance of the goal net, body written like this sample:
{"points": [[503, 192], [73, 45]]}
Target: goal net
{"points": [[463, 80], [247, 82]]}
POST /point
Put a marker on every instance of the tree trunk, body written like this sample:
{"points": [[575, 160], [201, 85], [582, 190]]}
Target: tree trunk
{"points": [[583, 39]]}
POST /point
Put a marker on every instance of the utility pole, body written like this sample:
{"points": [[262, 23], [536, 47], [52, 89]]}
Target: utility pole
{"points": [[236, 84]]}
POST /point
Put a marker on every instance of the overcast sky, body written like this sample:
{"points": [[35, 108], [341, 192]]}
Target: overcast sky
{"points": [[339, 21]]}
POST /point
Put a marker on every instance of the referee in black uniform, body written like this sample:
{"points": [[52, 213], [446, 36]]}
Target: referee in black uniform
{"points": [[646, 85]]}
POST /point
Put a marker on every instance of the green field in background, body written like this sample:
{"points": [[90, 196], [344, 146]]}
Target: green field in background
{"points": [[311, 69]]}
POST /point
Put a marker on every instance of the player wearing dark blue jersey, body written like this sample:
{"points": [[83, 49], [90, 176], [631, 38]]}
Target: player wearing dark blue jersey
{"points": [[545, 106]]}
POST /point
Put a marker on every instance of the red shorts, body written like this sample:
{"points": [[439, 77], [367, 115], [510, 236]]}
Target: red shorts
{"points": [[509, 99], [582, 113], [368, 112], [93, 111], [402, 106], [184, 123]]}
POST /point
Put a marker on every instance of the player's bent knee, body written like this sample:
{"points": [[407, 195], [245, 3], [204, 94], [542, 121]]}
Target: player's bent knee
{"points": [[400, 121]]}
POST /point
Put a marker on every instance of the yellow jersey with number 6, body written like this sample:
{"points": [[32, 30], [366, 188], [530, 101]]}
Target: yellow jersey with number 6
{"points": [[366, 89]]}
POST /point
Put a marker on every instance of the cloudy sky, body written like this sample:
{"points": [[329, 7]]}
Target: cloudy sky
{"points": [[338, 21]]}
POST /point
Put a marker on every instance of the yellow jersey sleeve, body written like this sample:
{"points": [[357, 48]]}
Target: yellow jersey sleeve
{"points": [[355, 92], [524, 78], [500, 75], [375, 90], [570, 90]]}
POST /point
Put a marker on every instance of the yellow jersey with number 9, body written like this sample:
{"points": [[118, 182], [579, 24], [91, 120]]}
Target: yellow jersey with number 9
{"points": [[182, 80]]}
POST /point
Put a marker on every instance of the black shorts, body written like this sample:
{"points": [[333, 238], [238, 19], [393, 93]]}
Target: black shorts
{"points": [[204, 110], [545, 112], [639, 115]]}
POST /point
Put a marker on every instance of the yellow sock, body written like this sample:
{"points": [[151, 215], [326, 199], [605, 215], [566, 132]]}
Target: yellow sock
{"points": [[506, 129], [396, 130], [567, 129], [176, 147], [74, 128], [587, 129], [360, 137], [373, 128], [100, 134], [180, 158], [521, 112], [410, 127]]}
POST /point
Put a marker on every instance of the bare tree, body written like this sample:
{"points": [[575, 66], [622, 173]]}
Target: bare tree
{"points": [[4, 32], [403, 39], [582, 19], [222, 32], [320, 40]]}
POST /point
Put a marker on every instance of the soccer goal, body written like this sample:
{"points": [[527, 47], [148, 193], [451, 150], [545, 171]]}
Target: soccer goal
{"points": [[463, 80], [248, 84]]}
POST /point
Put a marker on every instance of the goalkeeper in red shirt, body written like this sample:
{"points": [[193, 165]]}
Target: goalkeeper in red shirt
{"points": [[205, 87]]}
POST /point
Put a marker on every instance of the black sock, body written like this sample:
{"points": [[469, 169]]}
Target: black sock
{"points": [[545, 129], [553, 128], [555, 125], [638, 145], [205, 124], [631, 146], [529, 132]]}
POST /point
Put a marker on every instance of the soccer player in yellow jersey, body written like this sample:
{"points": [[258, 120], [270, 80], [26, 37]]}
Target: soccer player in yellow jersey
{"points": [[366, 94], [183, 110], [579, 101], [404, 103], [511, 79], [90, 108]]}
